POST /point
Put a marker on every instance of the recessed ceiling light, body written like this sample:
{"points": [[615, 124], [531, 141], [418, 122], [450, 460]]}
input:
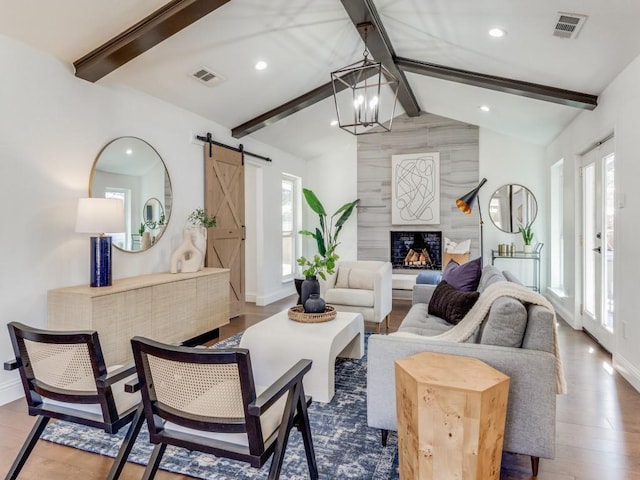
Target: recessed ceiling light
{"points": [[334, 123], [261, 65], [497, 32], [128, 151], [485, 108]]}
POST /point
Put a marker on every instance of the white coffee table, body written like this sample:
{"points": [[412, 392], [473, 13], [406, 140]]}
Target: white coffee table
{"points": [[277, 343]]}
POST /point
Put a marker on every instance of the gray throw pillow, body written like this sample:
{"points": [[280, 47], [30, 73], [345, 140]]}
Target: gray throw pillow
{"points": [[505, 324]]}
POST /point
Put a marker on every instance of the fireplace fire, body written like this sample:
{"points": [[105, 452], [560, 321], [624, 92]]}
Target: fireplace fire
{"points": [[416, 250]]}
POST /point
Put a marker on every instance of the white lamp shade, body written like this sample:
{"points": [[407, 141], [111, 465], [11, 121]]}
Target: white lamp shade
{"points": [[100, 215]]}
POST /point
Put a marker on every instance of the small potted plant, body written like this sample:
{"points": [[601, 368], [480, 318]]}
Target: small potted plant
{"points": [[527, 237], [198, 222], [145, 237], [200, 217]]}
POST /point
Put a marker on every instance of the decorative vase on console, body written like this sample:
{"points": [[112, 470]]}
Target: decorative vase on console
{"points": [[186, 258], [314, 304], [310, 285], [199, 238], [198, 222]]}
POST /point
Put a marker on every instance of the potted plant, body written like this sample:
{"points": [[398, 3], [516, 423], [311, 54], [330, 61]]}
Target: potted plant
{"points": [[200, 217], [326, 237], [145, 236], [527, 237], [198, 222]]}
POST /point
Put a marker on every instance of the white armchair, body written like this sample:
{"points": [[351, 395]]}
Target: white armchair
{"points": [[363, 287]]}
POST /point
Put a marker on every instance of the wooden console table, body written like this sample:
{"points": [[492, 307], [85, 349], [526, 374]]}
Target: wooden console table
{"points": [[166, 307], [451, 417]]}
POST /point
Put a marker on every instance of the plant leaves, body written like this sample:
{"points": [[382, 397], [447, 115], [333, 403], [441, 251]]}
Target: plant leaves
{"points": [[348, 209], [322, 250], [313, 202]]}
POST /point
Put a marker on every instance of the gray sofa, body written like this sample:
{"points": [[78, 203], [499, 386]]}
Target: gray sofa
{"points": [[514, 338]]}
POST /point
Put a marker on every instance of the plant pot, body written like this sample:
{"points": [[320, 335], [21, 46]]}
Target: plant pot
{"points": [[309, 285], [528, 248], [298, 284], [314, 304]]}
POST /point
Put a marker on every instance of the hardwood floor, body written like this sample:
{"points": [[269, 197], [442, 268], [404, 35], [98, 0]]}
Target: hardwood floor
{"points": [[598, 425]]}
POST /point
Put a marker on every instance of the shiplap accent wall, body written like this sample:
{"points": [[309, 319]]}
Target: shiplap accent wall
{"points": [[458, 146]]}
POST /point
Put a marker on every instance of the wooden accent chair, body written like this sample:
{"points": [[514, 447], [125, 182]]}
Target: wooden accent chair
{"points": [[65, 377], [206, 400]]}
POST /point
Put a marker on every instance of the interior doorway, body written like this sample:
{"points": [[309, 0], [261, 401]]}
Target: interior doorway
{"points": [[598, 230]]}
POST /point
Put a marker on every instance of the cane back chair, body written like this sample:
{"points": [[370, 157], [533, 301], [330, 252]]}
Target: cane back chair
{"points": [[205, 399], [64, 377]]}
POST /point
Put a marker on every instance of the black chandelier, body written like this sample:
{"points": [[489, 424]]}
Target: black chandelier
{"points": [[372, 88]]}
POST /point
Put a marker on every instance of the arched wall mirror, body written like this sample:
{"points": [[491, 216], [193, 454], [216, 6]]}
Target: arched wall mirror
{"points": [[511, 206], [132, 170]]}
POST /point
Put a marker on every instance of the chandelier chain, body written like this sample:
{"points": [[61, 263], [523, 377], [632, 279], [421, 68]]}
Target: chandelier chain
{"points": [[365, 53]]}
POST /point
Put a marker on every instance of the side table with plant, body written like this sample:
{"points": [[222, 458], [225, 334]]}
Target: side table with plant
{"points": [[326, 237]]}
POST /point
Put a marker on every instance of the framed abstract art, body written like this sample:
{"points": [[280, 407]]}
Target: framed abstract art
{"points": [[415, 189]]}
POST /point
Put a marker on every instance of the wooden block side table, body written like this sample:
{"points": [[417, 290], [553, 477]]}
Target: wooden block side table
{"points": [[451, 416]]}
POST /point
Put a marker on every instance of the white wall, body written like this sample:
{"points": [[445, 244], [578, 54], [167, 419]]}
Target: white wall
{"points": [[53, 125], [618, 111], [505, 160], [333, 178]]}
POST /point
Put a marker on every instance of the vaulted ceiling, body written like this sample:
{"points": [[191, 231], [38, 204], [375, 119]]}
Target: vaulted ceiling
{"points": [[303, 41]]}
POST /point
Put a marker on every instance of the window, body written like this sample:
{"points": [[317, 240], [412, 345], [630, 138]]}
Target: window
{"points": [[556, 234], [121, 239], [290, 222]]}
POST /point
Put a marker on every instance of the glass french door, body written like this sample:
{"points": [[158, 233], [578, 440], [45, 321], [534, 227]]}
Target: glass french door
{"points": [[598, 193]]}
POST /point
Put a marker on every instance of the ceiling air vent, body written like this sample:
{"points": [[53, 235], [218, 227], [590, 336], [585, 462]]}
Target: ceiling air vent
{"points": [[207, 77], [569, 25]]}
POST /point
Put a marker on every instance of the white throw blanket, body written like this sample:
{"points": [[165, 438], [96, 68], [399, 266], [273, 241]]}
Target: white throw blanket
{"points": [[468, 325]]}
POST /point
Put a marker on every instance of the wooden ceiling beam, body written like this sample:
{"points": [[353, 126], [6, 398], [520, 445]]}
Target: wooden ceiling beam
{"points": [[379, 45], [284, 110], [147, 33], [299, 103], [501, 84]]}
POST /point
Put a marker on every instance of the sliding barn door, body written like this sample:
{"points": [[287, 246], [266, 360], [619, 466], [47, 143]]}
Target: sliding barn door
{"points": [[224, 198]]}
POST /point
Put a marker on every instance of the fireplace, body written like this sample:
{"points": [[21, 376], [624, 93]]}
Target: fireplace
{"points": [[416, 250]]}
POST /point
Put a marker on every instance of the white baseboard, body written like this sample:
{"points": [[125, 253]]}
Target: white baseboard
{"points": [[563, 312], [10, 391], [250, 297], [627, 370], [285, 291]]}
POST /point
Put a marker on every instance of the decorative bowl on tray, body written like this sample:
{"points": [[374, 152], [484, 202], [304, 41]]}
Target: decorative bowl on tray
{"points": [[298, 314]]}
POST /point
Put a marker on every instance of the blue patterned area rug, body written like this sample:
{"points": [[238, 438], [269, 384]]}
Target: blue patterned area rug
{"points": [[346, 448]]}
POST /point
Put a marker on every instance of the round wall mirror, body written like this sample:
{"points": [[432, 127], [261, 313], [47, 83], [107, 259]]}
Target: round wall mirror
{"points": [[511, 206], [132, 170]]}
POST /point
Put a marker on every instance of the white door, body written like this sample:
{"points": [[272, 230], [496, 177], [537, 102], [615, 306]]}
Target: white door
{"points": [[598, 168]]}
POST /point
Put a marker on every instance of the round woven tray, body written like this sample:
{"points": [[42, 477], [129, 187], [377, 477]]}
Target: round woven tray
{"points": [[297, 314]]}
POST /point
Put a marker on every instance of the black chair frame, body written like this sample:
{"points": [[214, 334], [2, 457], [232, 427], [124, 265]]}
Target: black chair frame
{"points": [[35, 390], [258, 451]]}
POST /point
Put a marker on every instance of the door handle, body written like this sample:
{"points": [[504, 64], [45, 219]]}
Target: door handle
{"points": [[597, 249]]}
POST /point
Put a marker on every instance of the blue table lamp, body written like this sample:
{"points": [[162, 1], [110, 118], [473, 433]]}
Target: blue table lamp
{"points": [[99, 216]]}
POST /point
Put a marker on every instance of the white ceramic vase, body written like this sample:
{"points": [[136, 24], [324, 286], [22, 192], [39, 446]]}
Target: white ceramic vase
{"points": [[187, 258], [199, 239], [527, 248]]}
